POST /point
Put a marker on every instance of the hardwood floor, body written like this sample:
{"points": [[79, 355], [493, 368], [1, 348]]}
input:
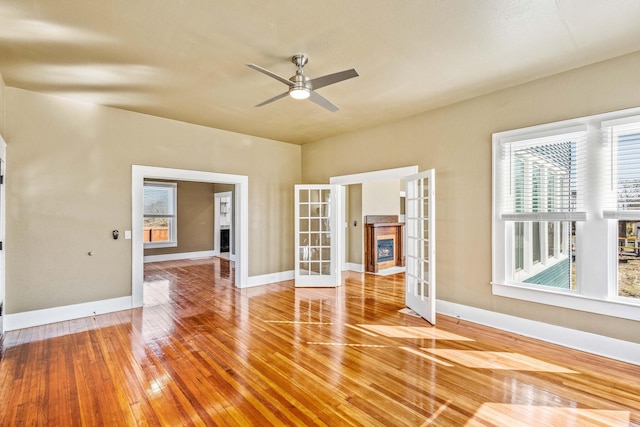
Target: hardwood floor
{"points": [[204, 353]]}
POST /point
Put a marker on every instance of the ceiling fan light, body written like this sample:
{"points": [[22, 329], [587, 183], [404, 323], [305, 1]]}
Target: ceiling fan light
{"points": [[299, 93]]}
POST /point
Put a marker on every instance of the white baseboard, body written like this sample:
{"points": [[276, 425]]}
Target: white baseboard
{"points": [[270, 278], [178, 256], [45, 316], [612, 348], [358, 268]]}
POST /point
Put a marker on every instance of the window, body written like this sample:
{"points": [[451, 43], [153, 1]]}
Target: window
{"points": [[566, 214], [535, 200], [622, 142], [160, 214]]}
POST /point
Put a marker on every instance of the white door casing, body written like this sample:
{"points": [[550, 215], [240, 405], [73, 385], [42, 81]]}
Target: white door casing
{"points": [[361, 178], [420, 249], [217, 222], [241, 225], [3, 151]]}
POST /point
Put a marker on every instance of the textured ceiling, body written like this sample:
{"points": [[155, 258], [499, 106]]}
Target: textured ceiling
{"points": [[185, 59]]}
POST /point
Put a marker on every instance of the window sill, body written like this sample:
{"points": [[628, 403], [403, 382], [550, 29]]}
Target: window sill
{"points": [[569, 299], [160, 245]]}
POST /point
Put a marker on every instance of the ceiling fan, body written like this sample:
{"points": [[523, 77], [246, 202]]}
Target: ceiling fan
{"points": [[301, 87]]}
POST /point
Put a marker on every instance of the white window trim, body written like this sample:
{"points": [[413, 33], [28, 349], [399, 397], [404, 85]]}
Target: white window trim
{"points": [[591, 295], [174, 224], [154, 245]]}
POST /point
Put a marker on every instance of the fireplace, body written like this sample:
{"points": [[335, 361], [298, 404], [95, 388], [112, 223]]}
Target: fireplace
{"points": [[385, 249], [383, 242]]}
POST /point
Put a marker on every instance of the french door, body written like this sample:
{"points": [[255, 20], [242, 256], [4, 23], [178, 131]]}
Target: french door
{"points": [[420, 275], [317, 260]]}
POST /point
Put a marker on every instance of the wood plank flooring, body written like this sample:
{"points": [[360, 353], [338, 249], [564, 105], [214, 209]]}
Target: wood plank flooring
{"points": [[204, 353]]}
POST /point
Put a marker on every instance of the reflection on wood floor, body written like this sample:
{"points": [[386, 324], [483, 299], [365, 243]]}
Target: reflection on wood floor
{"points": [[204, 353]]}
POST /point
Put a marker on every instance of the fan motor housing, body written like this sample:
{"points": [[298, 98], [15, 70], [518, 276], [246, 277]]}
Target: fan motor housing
{"points": [[300, 81]]}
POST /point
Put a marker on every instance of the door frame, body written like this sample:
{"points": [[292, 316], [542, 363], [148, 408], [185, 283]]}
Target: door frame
{"points": [[216, 224], [3, 168], [241, 222]]}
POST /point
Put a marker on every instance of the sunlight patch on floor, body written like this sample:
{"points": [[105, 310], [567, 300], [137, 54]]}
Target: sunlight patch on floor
{"points": [[413, 332], [297, 322], [497, 360], [505, 414], [339, 344], [426, 356], [408, 311]]}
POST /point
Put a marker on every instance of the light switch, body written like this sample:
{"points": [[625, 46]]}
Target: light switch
{"points": [[127, 234]]}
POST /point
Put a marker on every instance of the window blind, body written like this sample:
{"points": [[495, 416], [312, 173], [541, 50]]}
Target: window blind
{"points": [[622, 143], [159, 199], [544, 176]]}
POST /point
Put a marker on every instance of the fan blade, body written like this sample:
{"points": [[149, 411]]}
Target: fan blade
{"points": [[275, 98], [330, 79], [322, 101], [270, 74]]}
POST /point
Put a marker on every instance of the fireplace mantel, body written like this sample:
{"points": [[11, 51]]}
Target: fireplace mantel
{"points": [[382, 228]]}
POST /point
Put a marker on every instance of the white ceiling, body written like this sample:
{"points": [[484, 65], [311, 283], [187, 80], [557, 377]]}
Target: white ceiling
{"points": [[185, 59]]}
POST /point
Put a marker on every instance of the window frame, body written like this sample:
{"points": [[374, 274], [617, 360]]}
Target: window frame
{"points": [[596, 236], [173, 223], [537, 243]]}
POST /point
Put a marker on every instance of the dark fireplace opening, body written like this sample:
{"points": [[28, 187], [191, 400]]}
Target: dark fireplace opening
{"points": [[224, 240], [385, 250]]}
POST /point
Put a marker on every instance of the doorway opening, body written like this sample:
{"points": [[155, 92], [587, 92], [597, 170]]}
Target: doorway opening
{"points": [[240, 220], [223, 232], [352, 239], [419, 239]]}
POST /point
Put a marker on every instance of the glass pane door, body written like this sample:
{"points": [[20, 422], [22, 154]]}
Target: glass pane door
{"points": [[316, 261], [420, 275]]}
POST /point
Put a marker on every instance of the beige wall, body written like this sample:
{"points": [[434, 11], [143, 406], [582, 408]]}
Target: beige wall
{"points": [[195, 219], [70, 167], [2, 106], [223, 188], [456, 141], [373, 198], [381, 198], [355, 233]]}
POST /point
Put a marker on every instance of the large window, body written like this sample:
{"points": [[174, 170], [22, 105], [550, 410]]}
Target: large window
{"points": [[540, 179], [160, 214], [622, 142], [566, 214]]}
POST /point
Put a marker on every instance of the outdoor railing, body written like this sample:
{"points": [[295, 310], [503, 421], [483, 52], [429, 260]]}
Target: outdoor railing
{"points": [[156, 234]]}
